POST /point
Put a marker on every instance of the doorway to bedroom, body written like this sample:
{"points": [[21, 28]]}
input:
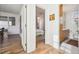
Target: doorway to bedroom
{"points": [[40, 27]]}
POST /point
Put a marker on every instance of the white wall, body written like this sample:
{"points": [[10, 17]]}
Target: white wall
{"points": [[12, 29], [28, 34], [48, 26], [31, 29], [4, 24], [56, 40], [24, 28]]}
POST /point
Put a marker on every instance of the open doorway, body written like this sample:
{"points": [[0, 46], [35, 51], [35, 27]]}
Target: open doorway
{"points": [[40, 27], [10, 32]]}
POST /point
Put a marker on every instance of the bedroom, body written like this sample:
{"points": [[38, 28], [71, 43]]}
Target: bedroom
{"points": [[69, 31]]}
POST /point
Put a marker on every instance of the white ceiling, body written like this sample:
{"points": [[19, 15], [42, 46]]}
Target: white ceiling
{"points": [[69, 7], [43, 6], [12, 8], [16, 8]]}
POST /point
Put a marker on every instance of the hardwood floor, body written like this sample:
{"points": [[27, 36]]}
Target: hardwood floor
{"points": [[47, 49], [43, 48], [40, 41], [12, 46]]}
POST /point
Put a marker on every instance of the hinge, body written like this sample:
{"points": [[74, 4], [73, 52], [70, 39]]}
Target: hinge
{"points": [[25, 25], [25, 6], [25, 44]]}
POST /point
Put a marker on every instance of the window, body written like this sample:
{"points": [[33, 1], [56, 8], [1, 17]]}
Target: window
{"points": [[6, 21], [3, 18], [3, 21], [12, 21]]}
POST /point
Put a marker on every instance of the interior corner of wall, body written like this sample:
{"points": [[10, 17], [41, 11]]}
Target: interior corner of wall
{"points": [[56, 42]]}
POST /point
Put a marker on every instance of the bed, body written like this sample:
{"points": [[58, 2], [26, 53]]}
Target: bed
{"points": [[70, 46], [39, 32]]}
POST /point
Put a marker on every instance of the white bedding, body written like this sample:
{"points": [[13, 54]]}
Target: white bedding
{"points": [[39, 32]]}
